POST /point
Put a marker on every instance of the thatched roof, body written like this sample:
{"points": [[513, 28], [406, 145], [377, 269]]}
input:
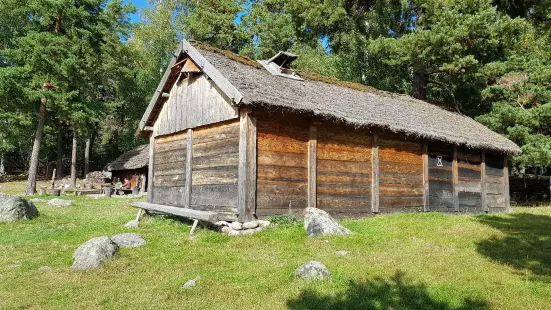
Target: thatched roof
{"points": [[133, 159], [351, 103]]}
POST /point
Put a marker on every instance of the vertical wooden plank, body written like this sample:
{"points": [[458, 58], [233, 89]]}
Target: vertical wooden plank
{"points": [[375, 173], [506, 183], [312, 165], [455, 180], [425, 177], [246, 184], [483, 182], [252, 164], [150, 168], [189, 162]]}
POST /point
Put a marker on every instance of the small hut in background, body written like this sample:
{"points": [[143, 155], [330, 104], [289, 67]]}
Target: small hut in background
{"points": [[132, 165]]}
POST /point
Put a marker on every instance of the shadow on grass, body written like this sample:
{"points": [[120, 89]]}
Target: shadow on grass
{"points": [[379, 293], [526, 245]]}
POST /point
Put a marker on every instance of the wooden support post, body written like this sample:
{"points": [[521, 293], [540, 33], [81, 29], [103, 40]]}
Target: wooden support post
{"points": [[139, 215], [455, 180], [246, 187], [189, 160], [195, 222], [150, 169], [506, 183], [425, 177], [312, 165], [375, 173], [483, 183]]}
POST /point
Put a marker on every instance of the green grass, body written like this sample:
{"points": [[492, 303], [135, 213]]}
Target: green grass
{"points": [[399, 261]]}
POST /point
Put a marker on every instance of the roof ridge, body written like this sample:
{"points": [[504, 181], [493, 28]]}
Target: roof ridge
{"points": [[316, 77]]}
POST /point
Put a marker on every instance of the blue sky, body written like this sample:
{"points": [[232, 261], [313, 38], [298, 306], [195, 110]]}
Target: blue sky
{"points": [[139, 4]]}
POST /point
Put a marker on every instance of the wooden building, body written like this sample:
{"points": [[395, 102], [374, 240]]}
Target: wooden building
{"points": [[233, 139], [132, 165]]}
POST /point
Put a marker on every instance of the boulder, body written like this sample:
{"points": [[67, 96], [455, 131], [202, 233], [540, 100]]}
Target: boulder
{"points": [[312, 270], [93, 253], [16, 208], [236, 226], [317, 222], [127, 240], [132, 224], [56, 202], [250, 225]]}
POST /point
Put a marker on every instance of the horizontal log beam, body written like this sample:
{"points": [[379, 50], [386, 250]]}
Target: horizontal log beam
{"points": [[178, 211]]}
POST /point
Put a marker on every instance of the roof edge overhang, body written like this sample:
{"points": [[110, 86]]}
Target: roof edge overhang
{"points": [[186, 48]]}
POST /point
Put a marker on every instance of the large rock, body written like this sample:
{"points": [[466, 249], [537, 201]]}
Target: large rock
{"points": [[56, 202], [128, 240], [312, 270], [317, 222], [16, 208], [93, 253]]}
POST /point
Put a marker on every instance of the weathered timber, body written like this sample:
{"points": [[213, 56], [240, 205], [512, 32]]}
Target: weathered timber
{"points": [[282, 159], [192, 103], [400, 160], [246, 186], [455, 180], [188, 181], [483, 182], [184, 212], [469, 186], [440, 177], [343, 169], [151, 169], [375, 173], [312, 164], [506, 183], [425, 177]]}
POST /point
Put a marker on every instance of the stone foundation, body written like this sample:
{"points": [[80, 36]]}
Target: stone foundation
{"points": [[238, 228]]}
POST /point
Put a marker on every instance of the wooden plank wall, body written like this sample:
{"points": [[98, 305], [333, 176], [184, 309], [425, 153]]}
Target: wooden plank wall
{"points": [[169, 170], [400, 174], [193, 102], [215, 168], [440, 178], [469, 185], [495, 189], [282, 172], [343, 170]]}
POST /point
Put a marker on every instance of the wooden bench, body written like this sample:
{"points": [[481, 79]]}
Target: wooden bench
{"points": [[206, 216]]}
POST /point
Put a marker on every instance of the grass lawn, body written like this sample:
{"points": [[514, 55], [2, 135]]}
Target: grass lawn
{"points": [[399, 261]]}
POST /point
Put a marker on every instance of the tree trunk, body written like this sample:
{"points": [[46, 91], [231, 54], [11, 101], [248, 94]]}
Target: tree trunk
{"points": [[74, 161], [2, 165], [87, 157], [33, 165], [59, 164], [419, 83]]}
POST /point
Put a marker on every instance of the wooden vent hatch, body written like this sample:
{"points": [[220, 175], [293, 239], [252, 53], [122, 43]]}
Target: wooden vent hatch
{"points": [[280, 65]]}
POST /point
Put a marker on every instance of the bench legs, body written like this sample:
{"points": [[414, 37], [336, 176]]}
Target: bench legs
{"points": [[195, 222]]}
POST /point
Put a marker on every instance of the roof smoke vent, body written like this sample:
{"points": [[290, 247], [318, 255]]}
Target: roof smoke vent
{"points": [[280, 65]]}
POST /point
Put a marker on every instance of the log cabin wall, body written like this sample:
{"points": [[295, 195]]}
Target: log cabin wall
{"points": [[495, 189], [469, 180], [400, 174], [282, 165], [343, 170], [215, 168], [441, 189], [169, 170]]}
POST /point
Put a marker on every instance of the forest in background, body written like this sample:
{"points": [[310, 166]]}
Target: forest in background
{"points": [[77, 75]]}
